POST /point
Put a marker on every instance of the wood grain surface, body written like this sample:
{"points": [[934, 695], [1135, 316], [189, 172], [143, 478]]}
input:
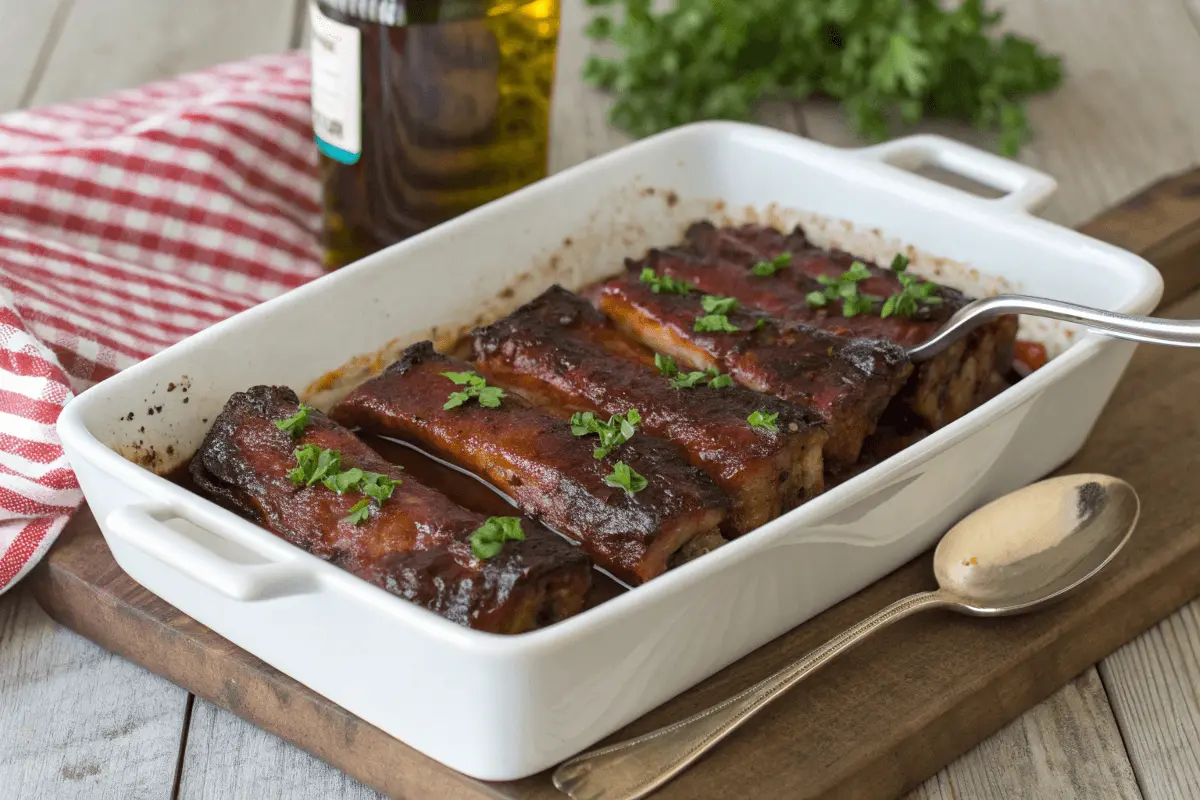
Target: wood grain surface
{"points": [[890, 714]]}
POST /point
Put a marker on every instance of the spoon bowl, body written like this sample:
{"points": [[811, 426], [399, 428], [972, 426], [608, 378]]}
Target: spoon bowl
{"points": [[1036, 545], [1019, 553]]}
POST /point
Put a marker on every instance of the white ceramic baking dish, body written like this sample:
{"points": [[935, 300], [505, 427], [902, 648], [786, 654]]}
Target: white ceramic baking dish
{"points": [[499, 707]]}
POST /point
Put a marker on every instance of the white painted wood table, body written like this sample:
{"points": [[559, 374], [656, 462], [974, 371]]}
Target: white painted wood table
{"points": [[78, 722]]}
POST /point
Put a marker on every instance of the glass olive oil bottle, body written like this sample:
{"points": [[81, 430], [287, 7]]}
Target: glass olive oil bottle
{"points": [[424, 109]]}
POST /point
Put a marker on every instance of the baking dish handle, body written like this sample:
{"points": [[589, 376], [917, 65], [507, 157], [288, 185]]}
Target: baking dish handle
{"points": [[1027, 188], [143, 527]]}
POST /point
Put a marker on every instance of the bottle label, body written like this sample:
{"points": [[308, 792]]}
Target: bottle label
{"points": [[336, 87]]}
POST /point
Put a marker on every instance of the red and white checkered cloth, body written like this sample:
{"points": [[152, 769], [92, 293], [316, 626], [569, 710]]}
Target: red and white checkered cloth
{"points": [[126, 224]]}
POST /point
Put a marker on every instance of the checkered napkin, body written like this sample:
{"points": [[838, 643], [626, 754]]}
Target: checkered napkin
{"points": [[126, 224]]}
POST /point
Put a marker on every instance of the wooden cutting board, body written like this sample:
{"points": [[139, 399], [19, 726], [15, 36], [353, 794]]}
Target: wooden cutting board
{"points": [[875, 724]]}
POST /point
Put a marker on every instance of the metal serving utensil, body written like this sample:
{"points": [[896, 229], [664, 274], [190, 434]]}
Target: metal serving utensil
{"points": [[1154, 330], [1017, 554]]}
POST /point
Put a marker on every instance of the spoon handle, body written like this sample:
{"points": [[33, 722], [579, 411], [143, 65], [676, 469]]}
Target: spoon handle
{"points": [[1154, 330], [632, 769]]}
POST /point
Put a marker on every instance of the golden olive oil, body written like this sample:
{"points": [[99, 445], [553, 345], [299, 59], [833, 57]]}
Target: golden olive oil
{"points": [[453, 112]]}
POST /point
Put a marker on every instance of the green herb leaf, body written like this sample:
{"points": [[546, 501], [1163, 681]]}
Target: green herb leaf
{"points": [[376, 486], [913, 293], [329, 462], [718, 381], [344, 481], [360, 511], [900, 61], [664, 285], [614, 433], [489, 538], [763, 420], [488, 396], [623, 477], [714, 304], [306, 463], [316, 464], [666, 365], [689, 380], [844, 288], [296, 423], [714, 323], [765, 269], [899, 263]]}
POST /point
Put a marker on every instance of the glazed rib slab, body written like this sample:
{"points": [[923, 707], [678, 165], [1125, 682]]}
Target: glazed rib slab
{"points": [[415, 545], [563, 354], [550, 473], [848, 381], [718, 260]]}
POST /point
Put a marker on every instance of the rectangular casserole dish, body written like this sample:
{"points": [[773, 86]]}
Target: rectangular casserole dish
{"points": [[500, 708]]}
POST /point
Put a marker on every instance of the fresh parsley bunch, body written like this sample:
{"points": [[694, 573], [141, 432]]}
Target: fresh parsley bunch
{"points": [[883, 59]]}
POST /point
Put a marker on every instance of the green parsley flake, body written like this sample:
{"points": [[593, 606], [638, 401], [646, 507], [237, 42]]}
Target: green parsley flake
{"points": [[913, 292], [476, 387], [844, 288], [689, 380], [714, 323], [899, 263], [296, 423], [715, 304], [344, 481], [489, 538], [613, 433], [665, 284], [623, 477], [765, 269], [360, 511], [315, 464], [763, 420], [666, 365]]}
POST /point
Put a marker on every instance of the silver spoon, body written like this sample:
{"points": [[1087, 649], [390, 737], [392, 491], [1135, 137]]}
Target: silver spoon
{"points": [[1016, 554], [1154, 330]]}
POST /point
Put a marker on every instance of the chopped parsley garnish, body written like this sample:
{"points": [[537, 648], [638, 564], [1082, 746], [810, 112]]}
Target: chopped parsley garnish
{"points": [[344, 481], [623, 477], [665, 284], [489, 538], [765, 269], [317, 464], [845, 288], [613, 433], [689, 380], [715, 304], [314, 464], [476, 387], [761, 419], [376, 486], [666, 365], [360, 511], [296, 423], [714, 323], [913, 292]]}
